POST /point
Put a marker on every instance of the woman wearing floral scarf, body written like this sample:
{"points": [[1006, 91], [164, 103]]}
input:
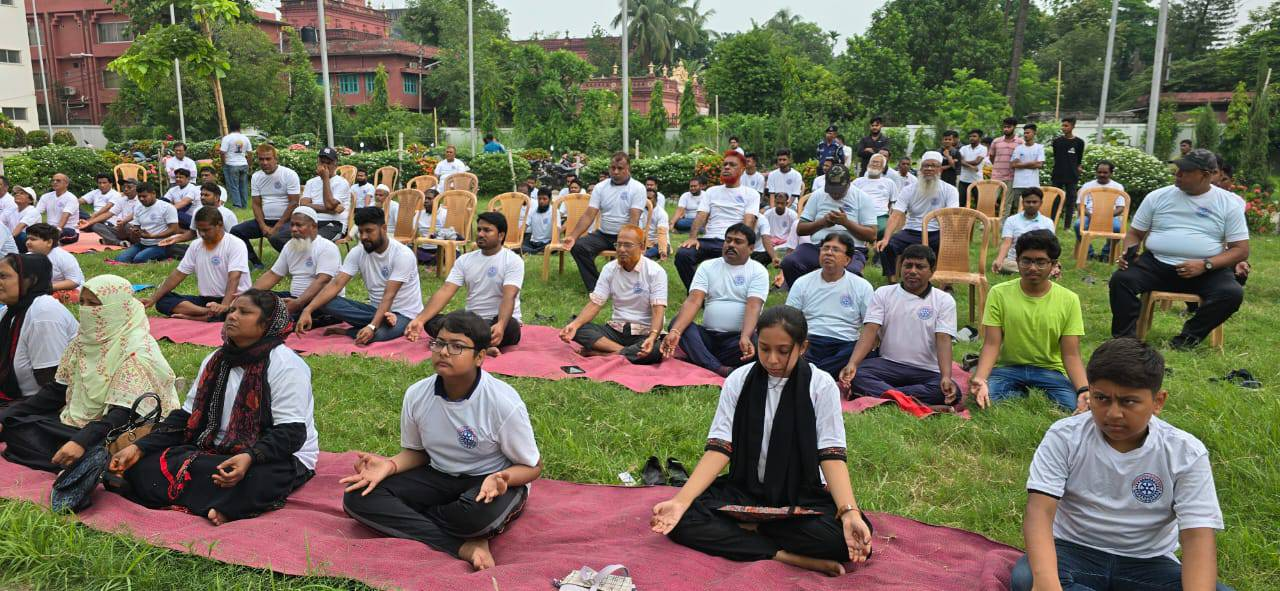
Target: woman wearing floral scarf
{"points": [[246, 438], [110, 363]]}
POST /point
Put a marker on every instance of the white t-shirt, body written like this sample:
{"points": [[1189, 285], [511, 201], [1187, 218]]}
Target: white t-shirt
{"points": [[52, 206], [47, 329], [176, 194], [302, 265], [882, 191], [274, 189], [658, 219], [313, 196], [690, 203], [538, 225], [615, 203], [915, 205], [291, 400], [123, 209], [362, 195], [1018, 224], [900, 180], [211, 267], [485, 432], [835, 310], [782, 226], [172, 164], [908, 323], [65, 267], [727, 288], [1184, 228], [24, 217], [235, 146], [1027, 177], [822, 392], [7, 244], [1094, 184], [967, 153], [726, 207], [97, 199], [634, 292], [755, 180], [848, 156], [819, 183], [789, 182], [396, 263], [444, 168], [1131, 504], [763, 232], [7, 203], [855, 204], [485, 277], [228, 217], [154, 219]]}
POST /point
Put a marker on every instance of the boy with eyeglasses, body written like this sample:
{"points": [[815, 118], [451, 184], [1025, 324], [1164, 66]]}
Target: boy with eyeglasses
{"points": [[1031, 330]]}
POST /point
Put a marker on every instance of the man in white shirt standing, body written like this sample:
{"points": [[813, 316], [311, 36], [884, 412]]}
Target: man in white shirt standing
{"points": [[493, 276], [638, 287], [785, 179], [617, 201], [59, 207], [1030, 219], [100, 197], [838, 209], [722, 206], [390, 274], [1027, 160], [450, 165], [328, 194], [926, 195], [234, 150], [178, 160], [971, 156], [834, 302], [221, 266], [309, 260], [107, 221], [275, 191], [880, 188], [750, 177], [687, 206]]}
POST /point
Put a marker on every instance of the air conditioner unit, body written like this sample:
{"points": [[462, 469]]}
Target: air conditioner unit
{"points": [[68, 91]]}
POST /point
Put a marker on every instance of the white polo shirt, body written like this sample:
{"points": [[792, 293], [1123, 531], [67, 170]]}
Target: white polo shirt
{"points": [[485, 276], [97, 199], [396, 263], [634, 292], [789, 182], [485, 432], [908, 324], [47, 329], [274, 189], [1018, 224], [538, 225], [1182, 227], [301, 265], [52, 206], [725, 207], [615, 203], [313, 196], [855, 204], [65, 267], [834, 310], [154, 219], [211, 267], [727, 288], [915, 204]]}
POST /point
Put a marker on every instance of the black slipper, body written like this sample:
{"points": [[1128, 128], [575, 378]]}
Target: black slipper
{"points": [[676, 474], [651, 474]]}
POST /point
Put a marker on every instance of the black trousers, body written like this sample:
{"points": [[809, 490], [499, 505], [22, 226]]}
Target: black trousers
{"points": [[510, 334], [153, 482], [688, 259], [584, 253], [705, 529], [434, 508], [589, 333], [1221, 293], [1068, 201], [330, 229], [33, 439], [249, 230]]}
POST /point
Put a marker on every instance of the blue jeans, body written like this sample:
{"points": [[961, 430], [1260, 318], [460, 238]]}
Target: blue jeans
{"points": [[1012, 381], [360, 315], [237, 178], [141, 253], [684, 224], [1081, 568], [1106, 248]]}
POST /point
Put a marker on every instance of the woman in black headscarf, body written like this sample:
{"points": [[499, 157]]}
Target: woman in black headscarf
{"points": [[246, 438], [786, 411], [34, 327]]}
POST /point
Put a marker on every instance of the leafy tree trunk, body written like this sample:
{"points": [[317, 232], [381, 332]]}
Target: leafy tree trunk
{"points": [[217, 84], [1015, 62]]}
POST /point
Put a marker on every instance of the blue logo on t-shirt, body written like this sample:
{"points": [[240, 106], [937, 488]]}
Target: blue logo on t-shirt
{"points": [[310, 262], [1148, 488], [386, 271], [491, 271], [216, 260], [278, 185], [738, 199], [846, 301], [739, 280], [467, 438], [1203, 212], [924, 313], [637, 288]]}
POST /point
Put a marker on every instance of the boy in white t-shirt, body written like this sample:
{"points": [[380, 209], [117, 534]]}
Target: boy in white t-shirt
{"points": [[220, 263], [687, 205], [638, 287], [1114, 492], [66, 277], [1026, 162], [467, 454], [100, 197], [1029, 219]]}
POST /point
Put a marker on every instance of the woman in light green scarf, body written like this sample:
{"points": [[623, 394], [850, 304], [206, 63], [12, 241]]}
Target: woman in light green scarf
{"points": [[112, 361]]}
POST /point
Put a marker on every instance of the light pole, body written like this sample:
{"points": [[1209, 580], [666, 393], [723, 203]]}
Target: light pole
{"points": [[626, 81], [324, 73], [44, 74], [177, 76], [1106, 69], [471, 74], [1157, 70]]}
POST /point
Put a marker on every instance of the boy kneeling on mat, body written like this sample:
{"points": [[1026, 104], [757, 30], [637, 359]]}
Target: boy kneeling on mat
{"points": [[467, 459], [1113, 492]]}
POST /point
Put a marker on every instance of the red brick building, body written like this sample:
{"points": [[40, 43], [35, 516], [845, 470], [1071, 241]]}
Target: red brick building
{"points": [[353, 65], [642, 90]]}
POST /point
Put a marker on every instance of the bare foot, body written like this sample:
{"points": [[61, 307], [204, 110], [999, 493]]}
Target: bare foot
{"points": [[492, 352], [830, 568], [217, 518], [477, 553], [332, 330]]}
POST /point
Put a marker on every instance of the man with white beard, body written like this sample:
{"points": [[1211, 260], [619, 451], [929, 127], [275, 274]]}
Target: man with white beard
{"points": [[880, 188], [926, 195], [309, 260]]}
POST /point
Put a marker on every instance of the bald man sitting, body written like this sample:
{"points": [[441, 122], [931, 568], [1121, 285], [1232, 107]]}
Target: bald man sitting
{"points": [[638, 287], [61, 208]]}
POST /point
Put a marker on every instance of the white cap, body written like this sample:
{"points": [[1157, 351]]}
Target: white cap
{"points": [[307, 211], [931, 155], [382, 188], [30, 192]]}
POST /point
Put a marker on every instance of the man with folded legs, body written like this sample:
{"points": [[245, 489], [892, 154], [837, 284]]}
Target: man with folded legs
{"points": [[309, 260], [638, 287], [906, 223]]}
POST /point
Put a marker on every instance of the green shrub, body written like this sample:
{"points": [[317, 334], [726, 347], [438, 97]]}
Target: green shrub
{"points": [[38, 138], [8, 133], [495, 172], [35, 167], [1139, 172], [303, 138], [534, 154], [203, 150], [63, 137]]}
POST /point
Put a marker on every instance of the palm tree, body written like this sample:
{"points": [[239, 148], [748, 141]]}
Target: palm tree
{"points": [[660, 28]]}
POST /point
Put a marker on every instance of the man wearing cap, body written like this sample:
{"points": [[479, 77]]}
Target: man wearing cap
{"points": [[309, 260], [1184, 227], [830, 147], [722, 206], [839, 208], [925, 195], [329, 194]]}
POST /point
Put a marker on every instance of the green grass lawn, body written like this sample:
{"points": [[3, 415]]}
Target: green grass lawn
{"points": [[946, 471]]}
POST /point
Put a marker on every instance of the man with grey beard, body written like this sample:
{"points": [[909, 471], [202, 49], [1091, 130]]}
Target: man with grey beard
{"points": [[880, 188], [309, 260], [926, 195]]}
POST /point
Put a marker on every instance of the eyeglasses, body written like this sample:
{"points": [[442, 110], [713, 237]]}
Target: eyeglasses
{"points": [[1037, 263], [620, 245], [833, 249], [453, 347]]}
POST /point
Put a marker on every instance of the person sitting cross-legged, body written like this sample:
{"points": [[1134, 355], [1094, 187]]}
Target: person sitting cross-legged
{"points": [[838, 209], [914, 323], [1114, 492], [638, 287], [1031, 330], [183, 195], [734, 288], [779, 430], [153, 221], [35, 329], [467, 454], [329, 194], [687, 206], [834, 301], [108, 221], [1029, 219], [390, 274], [493, 276], [245, 438], [275, 192], [309, 260], [721, 206], [914, 201], [67, 276], [61, 208], [220, 262]]}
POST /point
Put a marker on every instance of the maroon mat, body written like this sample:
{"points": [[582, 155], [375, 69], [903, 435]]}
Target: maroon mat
{"points": [[88, 243], [564, 527]]}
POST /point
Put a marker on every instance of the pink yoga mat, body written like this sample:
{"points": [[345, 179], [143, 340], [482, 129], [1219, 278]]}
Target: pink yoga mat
{"points": [[564, 526], [88, 243]]}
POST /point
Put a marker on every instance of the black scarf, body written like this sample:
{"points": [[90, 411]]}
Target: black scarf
{"points": [[34, 276], [792, 470]]}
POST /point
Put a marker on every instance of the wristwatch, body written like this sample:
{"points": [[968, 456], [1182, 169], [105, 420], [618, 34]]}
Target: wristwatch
{"points": [[1208, 265]]}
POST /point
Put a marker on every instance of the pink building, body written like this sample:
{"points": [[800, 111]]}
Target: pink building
{"points": [[353, 65]]}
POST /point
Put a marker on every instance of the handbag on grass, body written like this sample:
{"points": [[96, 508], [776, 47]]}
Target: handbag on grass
{"points": [[137, 427]]}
